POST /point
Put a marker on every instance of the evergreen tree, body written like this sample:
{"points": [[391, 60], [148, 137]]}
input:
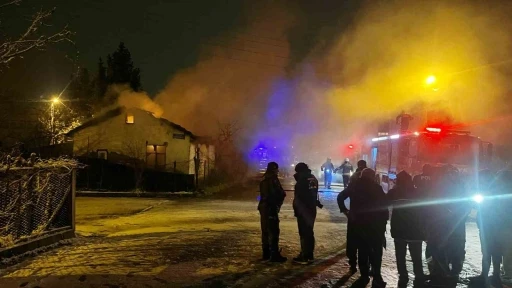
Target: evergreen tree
{"points": [[101, 81], [121, 69]]}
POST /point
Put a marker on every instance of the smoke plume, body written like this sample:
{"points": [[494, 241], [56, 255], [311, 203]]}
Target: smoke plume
{"points": [[374, 67], [130, 99]]}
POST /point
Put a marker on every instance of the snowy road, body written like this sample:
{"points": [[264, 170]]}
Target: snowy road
{"points": [[335, 272], [130, 242]]}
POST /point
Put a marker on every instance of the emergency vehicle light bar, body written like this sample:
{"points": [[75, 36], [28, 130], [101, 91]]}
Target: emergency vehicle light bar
{"points": [[431, 129]]}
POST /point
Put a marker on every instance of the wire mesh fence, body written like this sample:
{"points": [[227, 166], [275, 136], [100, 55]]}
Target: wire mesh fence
{"points": [[34, 202]]}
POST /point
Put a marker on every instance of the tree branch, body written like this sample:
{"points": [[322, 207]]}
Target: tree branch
{"points": [[13, 2], [32, 38]]}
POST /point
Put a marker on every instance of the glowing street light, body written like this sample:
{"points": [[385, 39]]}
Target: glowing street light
{"points": [[430, 80], [54, 100]]}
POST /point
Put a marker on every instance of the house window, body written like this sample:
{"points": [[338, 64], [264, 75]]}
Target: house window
{"points": [[155, 156], [130, 119]]}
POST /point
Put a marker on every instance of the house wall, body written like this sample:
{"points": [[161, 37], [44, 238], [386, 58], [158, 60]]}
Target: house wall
{"points": [[130, 139]]}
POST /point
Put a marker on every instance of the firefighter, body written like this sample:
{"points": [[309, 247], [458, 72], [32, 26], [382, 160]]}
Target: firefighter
{"points": [[305, 202], [328, 169], [406, 228], [272, 196], [346, 169], [369, 214], [351, 245]]}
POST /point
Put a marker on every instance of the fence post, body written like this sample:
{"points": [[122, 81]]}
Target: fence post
{"points": [[73, 199], [204, 174], [174, 177]]}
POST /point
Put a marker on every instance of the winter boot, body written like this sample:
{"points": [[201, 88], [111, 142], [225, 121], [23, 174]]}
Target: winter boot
{"points": [[266, 255], [300, 259], [276, 257]]}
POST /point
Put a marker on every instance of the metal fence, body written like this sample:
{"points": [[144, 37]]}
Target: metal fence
{"points": [[35, 202]]}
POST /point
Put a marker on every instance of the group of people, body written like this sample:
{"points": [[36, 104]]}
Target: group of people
{"points": [[328, 168], [305, 202], [431, 207]]}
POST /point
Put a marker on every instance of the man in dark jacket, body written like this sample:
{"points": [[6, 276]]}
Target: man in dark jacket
{"points": [[304, 207], [271, 199], [346, 168], [328, 169], [406, 228], [351, 245], [368, 215]]}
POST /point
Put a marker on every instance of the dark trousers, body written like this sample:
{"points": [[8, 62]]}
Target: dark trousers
{"points": [[370, 240], [269, 231], [351, 245], [415, 251], [346, 178], [327, 179], [491, 252], [306, 224]]}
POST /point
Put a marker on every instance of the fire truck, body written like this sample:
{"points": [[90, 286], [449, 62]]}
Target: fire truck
{"points": [[436, 146]]}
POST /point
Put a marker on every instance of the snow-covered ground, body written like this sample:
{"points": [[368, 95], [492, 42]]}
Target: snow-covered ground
{"points": [[199, 242], [336, 273], [131, 242]]}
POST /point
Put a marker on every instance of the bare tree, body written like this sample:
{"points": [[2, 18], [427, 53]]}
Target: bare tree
{"points": [[136, 151], [229, 162], [32, 38]]}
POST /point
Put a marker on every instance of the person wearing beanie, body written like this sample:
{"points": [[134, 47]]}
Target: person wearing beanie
{"points": [[304, 206], [271, 199]]}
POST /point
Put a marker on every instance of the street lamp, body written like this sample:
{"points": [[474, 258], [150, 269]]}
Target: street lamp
{"points": [[54, 100], [430, 80]]}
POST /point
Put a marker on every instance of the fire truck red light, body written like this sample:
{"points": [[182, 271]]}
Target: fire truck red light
{"points": [[430, 129]]}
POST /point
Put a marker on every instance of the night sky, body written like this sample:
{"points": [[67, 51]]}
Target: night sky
{"points": [[163, 36]]}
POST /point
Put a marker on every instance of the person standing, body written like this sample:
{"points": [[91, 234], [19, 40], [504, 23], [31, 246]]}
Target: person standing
{"points": [[488, 226], [346, 169], [503, 187], [272, 196], [369, 214], [351, 244], [305, 202], [328, 169], [406, 228]]}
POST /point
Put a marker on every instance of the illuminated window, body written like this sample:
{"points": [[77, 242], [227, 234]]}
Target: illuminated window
{"points": [[130, 119], [155, 156]]}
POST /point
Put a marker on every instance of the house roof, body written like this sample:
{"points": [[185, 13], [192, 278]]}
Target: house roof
{"points": [[118, 111]]}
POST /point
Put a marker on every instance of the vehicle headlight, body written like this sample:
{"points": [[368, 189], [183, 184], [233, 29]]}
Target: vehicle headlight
{"points": [[478, 198]]}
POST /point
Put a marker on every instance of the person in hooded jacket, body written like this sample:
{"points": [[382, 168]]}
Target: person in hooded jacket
{"points": [[369, 214], [304, 206], [406, 227], [351, 244], [272, 196]]}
